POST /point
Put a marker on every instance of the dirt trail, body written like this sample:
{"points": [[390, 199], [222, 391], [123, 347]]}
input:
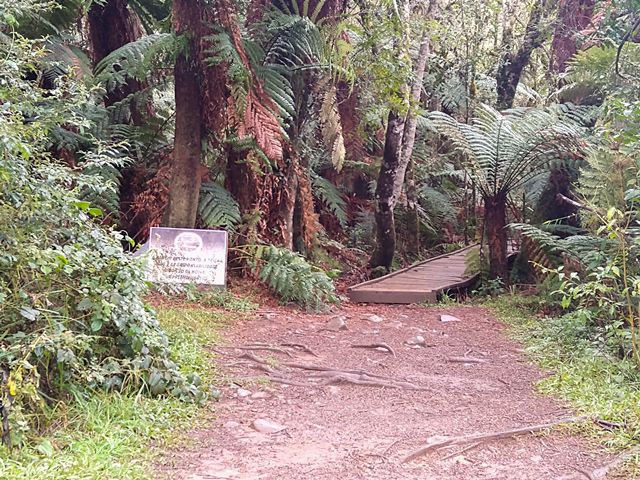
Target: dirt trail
{"points": [[348, 431]]}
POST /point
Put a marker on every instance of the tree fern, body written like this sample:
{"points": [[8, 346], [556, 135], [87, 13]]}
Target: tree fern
{"points": [[217, 208]]}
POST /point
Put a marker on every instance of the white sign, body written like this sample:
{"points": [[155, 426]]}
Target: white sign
{"points": [[180, 255]]}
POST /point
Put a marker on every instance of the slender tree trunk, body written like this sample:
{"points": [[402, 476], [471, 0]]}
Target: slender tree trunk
{"points": [[185, 173], [413, 219], [385, 192], [495, 211], [411, 122], [399, 141], [512, 64]]}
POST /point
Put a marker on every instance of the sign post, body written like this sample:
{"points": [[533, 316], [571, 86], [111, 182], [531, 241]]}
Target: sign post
{"points": [[180, 255]]}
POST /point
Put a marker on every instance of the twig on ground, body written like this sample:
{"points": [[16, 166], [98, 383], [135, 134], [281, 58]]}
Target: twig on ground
{"points": [[602, 472], [466, 360], [376, 345], [466, 449], [485, 437], [302, 347]]}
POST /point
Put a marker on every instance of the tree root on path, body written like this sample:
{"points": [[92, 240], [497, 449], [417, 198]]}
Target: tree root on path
{"points": [[331, 375], [261, 347], [376, 345], [302, 347], [485, 437], [466, 360], [602, 472]]}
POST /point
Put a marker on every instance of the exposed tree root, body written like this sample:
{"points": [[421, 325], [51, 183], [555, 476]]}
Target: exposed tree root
{"points": [[376, 345], [466, 360], [262, 347], [602, 472], [337, 376], [485, 437], [302, 347], [331, 375]]}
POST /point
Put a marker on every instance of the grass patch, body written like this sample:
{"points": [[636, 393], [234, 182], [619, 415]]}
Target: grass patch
{"points": [[584, 372], [109, 435]]}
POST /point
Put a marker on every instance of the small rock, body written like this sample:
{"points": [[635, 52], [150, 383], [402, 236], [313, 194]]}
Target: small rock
{"points": [[372, 317], [267, 426], [417, 340], [231, 425], [460, 459], [268, 315], [337, 323], [449, 318], [259, 396], [242, 393], [333, 390], [536, 459]]}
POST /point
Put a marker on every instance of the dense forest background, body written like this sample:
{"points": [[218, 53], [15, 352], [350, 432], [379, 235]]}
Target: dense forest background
{"points": [[329, 138]]}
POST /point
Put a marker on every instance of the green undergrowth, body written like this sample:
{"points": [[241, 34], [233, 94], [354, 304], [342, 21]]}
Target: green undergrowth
{"points": [[583, 371], [111, 435]]}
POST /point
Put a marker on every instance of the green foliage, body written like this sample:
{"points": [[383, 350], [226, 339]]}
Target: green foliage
{"points": [[585, 368], [504, 152], [109, 435], [331, 197], [217, 208], [136, 60], [290, 276], [72, 315]]}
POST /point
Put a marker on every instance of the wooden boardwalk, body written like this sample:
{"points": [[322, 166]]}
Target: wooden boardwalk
{"points": [[421, 282]]}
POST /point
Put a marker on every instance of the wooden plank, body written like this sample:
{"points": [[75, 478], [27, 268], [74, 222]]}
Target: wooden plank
{"points": [[421, 282], [375, 280], [373, 296]]}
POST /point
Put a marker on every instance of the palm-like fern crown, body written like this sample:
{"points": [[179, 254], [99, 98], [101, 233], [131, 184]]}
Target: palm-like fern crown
{"points": [[506, 150]]}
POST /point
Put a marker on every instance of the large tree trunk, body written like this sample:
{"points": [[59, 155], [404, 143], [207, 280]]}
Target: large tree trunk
{"points": [[495, 220], [573, 17], [111, 26], [385, 197], [512, 64], [185, 172]]}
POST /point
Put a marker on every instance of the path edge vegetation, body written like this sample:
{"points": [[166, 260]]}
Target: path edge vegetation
{"points": [[591, 383], [121, 435]]}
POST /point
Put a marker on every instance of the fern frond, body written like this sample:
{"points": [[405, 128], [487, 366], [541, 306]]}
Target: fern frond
{"points": [[330, 196], [134, 60], [290, 276], [217, 208], [332, 125]]}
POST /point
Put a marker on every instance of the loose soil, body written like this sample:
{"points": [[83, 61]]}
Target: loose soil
{"points": [[351, 431]]}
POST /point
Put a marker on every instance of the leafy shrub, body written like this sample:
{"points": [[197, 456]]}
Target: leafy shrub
{"points": [[72, 317]]}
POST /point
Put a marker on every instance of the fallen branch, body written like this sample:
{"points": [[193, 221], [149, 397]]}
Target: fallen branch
{"points": [[376, 345], [302, 347], [282, 380], [466, 360], [485, 437], [602, 472]]}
